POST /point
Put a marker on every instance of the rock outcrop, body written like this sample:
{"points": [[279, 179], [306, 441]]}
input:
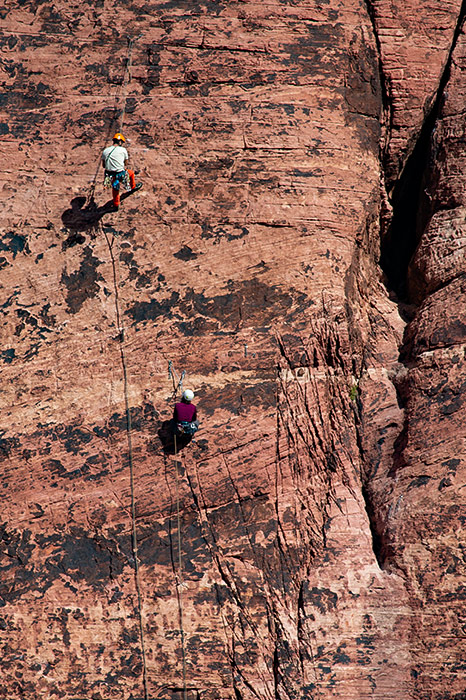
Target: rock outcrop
{"points": [[296, 257]]}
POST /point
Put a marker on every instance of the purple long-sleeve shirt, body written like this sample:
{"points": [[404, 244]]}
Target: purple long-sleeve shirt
{"points": [[184, 412]]}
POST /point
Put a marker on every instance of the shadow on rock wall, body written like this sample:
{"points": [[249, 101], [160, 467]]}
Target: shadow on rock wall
{"points": [[166, 434], [83, 215]]}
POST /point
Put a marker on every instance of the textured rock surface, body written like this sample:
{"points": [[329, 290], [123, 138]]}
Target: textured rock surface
{"points": [[308, 543]]}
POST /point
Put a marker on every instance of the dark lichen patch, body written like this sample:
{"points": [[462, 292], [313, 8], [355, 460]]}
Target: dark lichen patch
{"points": [[421, 480], [93, 124], [363, 91], [153, 71], [322, 598], [366, 646], [7, 445], [192, 7], [29, 322], [340, 656], [215, 165], [29, 97], [451, 400], [16, 545], [130, 666], [93, 560], [250, 301], [7, 355], [309, 52], [56, 468], [142, 418], [151, 310], [198, 326], [16, 569], [14, 243], [452, 464], [237, 398], [96, 462], [5, 307], [127, 257], [72, 437], [156, 544], [98, 69], [48, 319], [82, 284], [142, 280], [222, 232], [185, 253]]}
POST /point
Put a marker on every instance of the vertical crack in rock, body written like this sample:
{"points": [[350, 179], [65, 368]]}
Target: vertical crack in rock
{"points": [[400, 234], [413, 519], [387, 104], [411, 205], [377, 540]]}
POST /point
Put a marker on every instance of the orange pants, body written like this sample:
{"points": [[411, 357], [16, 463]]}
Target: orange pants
{"points": [[116, 192]]}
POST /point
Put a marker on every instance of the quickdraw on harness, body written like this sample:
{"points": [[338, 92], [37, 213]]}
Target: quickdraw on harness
{"points": [[115, 179], [187, 428]]}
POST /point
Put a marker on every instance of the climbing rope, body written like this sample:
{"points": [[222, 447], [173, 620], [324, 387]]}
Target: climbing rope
{"points": [[180, 573], [172, 376], [180, 583], [134, 540], [119, 96], [126, 78]]}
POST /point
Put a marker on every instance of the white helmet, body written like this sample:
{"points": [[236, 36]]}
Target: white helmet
{"points": [[188, 395]]}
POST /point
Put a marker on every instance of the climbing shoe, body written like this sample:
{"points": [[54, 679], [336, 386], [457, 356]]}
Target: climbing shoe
{"points": [[137, 187]]}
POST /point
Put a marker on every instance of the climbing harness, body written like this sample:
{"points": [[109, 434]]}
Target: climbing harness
{"points": [[188, 428], [115, 179]]}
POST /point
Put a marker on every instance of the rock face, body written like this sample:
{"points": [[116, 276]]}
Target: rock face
{"points": [[296, 257]]}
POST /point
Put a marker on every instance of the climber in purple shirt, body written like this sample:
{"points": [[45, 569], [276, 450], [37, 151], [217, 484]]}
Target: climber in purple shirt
{"points": [[185, 414]]}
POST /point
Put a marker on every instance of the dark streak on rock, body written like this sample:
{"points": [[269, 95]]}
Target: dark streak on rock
{"points": [[82, 284], [151, 310], [185, 253], [14, 243]]}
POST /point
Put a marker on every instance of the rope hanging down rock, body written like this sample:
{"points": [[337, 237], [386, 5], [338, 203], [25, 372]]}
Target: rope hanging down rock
{"points": [[180, 583], [172, 376], [121, 95], [126, 79], [134, 540]]}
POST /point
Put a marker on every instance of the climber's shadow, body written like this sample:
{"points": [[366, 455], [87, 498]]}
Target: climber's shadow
{"points": [[84, 215], [166, 434]]}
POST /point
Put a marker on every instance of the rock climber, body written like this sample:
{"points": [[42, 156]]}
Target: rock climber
{"points": [[185, 415], [114, 159]]}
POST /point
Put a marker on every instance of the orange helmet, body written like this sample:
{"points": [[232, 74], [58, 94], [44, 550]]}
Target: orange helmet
{"points": [[119, 137]]}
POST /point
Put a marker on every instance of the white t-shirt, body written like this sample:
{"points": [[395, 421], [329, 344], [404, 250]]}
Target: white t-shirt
{"points": [[114, 158]]}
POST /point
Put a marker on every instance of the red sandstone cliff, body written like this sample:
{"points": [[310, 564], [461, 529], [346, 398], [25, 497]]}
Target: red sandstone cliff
{"points": [[298, 251]]}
